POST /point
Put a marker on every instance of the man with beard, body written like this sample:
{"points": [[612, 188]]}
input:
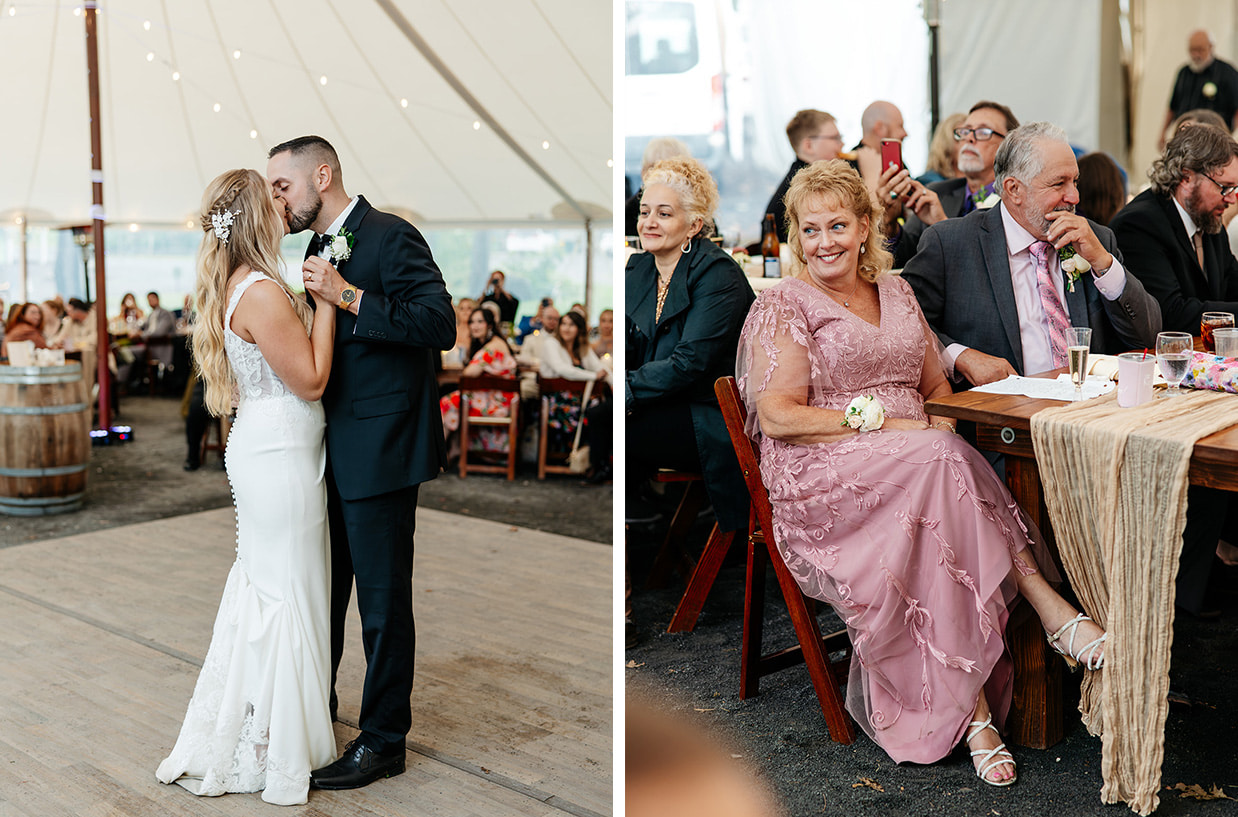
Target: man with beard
{"points": [[1204, 82], [384, 430], [991, 285], [1172, 233]]}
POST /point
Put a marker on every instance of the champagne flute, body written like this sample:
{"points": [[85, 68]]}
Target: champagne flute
{"points": [[1173, 357], [1078, 341]]}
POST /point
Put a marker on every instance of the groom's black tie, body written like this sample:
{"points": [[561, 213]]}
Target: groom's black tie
{"points": [[317, 243]]}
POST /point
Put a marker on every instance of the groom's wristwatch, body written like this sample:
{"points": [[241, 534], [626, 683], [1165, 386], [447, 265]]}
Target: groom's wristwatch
{"points": [[347, 297]]}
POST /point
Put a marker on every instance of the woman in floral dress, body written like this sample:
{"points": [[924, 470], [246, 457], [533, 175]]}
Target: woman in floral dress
{"points": [[489, 354]]}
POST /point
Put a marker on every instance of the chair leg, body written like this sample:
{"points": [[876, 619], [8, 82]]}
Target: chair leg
{"points": [[815, 658], [754, 620], [671, 554], [702, 580]]}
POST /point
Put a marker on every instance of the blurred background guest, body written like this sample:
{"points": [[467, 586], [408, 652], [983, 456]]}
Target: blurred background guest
{"points": [[130, 314], [686, 300], [571, 358], [943, 152], [604, 342], [25, 323], [1102, 187], [489, 354], [1204, 82], [459, 353], [496, 293], [813, 135], [663, 147], [53, 319]]}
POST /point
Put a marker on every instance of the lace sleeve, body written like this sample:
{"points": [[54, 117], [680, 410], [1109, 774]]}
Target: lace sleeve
{"points": [[776, 354]]}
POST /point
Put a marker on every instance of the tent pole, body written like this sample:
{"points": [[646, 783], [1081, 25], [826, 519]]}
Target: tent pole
{"points": [[25, 273], [96, 214], [588, 266]]}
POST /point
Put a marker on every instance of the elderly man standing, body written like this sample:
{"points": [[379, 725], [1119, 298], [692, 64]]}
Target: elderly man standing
{"points": [[1204, 82], [991, 285], [1173, 234]]}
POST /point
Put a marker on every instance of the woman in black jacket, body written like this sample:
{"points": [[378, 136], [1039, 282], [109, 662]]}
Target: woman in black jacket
{"points": [[686, 303]]}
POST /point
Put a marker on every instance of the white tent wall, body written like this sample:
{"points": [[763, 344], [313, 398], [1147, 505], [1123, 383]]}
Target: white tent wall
{"points": [[1159, 31], [1024, 56]]}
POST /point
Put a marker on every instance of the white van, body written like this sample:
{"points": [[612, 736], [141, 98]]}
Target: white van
{"points": [[676, 77]]}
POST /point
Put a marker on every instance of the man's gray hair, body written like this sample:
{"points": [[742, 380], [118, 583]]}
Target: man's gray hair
{"points": [[1020, 156]]}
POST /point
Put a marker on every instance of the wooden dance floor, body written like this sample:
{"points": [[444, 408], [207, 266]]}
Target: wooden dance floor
{"points": [[102, 636]]}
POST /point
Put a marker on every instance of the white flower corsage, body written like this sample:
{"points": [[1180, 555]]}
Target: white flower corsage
{"points": [[1209, 89], [865, 413], [341, 246], [1073, 264], [988, 201]]}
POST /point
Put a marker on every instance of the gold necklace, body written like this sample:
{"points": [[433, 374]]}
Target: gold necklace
{"points": [[663, 287]]}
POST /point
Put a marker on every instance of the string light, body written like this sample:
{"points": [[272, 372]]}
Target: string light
{"points": [[150, 56], [253, 134], [610, 162], [476, 125], [545, 145], [133, 228], [146, 25], [176, 76], [236, 55], [77, 12], [12, 11], [322, 80], [217, 107], [403, 103]]}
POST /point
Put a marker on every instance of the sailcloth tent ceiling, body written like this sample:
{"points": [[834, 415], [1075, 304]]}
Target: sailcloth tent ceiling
{"points": [[451, 112]]}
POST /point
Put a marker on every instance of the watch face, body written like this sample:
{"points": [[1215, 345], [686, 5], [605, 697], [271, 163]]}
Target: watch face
{"points": [[348, 295]]}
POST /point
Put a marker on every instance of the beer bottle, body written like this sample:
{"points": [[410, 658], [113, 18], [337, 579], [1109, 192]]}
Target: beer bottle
{"points": [[769, 248]]}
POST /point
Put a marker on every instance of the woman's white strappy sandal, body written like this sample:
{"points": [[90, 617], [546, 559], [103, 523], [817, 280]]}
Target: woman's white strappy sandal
{"points": [[992, 757], [1089, 655]]}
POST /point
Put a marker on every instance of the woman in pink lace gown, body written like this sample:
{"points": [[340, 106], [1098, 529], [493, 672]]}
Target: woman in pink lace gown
{"points": [[906, 531]]}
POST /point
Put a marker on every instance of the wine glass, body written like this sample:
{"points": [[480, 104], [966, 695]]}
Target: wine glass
{"points": [[1078, 341], [1173, 358]]}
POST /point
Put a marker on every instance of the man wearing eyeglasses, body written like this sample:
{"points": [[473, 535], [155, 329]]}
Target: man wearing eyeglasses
{"points": [[1172, 234], [814, 136]]}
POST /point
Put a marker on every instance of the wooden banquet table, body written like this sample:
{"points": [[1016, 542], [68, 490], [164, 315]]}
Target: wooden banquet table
{"points": [[1003, 425]]}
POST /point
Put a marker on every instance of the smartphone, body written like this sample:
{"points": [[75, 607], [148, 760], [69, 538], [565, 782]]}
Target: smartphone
{"points": [[891, 154]]}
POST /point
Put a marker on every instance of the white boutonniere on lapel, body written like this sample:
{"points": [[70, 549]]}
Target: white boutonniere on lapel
{"points": [[988, 202], [340, 248], [1209, 89], [1073, 264]]}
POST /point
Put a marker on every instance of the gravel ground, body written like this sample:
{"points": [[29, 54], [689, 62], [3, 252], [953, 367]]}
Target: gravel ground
{"points": [[782, 732], [144, 479]]}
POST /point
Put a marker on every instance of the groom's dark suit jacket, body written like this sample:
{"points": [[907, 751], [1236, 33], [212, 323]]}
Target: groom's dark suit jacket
{"points": [[961, 277], [1152, 235], [384, 428]]}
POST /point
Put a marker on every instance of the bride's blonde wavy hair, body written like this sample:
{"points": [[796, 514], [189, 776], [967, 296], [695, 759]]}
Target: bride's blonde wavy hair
{"points": [[252, 242]]}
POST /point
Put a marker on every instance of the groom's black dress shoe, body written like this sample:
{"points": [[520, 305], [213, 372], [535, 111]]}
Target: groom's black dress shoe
{"points": [[359, 766]]}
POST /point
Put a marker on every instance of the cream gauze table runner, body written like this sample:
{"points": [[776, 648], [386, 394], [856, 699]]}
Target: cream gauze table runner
{"points": [[1115, 482]]}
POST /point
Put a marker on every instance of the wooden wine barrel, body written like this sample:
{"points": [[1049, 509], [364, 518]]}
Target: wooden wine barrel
{"points": [[44, 439]]}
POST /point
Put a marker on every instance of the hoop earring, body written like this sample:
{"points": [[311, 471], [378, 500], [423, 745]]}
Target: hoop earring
{"points": [[687, 246]]}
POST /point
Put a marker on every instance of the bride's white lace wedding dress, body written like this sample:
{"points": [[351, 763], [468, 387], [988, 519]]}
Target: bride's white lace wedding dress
{"points": [[258, 719]]}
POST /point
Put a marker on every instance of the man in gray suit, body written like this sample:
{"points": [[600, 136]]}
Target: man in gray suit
{"points": [[987, 297]]}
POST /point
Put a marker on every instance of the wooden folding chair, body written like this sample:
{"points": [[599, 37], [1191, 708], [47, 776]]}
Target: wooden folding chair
{"points": [[546, 387], [813, 649], [221, 426], [701, 573], [511, 423]]}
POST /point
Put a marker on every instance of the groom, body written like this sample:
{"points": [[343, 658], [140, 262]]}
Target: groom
{"points": [[384, 430]]}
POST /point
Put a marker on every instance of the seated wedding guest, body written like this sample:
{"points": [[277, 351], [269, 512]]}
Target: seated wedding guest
{"points": [[813, 135], [662, 147], [129, 313], [570, 357], [1172, 236], [531, 346], [992, 330], [943, 152], [605, 342], [686, 299], [78, 331], [3, 320], [899, 524], [459, 353], [25, 323], [489, 354], [53, 319], [1102, 188], [496, 293], [533, 323], [1197, 116]]}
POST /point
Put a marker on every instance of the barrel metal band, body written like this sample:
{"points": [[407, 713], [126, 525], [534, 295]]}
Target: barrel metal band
{"points": [[38, 375], [67, 408], [57, 471]]}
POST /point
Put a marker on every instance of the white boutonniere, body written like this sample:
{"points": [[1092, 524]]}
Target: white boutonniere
{"points": [[864, 413], [1210, 89], [1073, 264], [988, 202], [341, 246]]}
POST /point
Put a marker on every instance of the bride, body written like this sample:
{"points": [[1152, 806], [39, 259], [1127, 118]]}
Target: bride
{"points": [[258, 719]]}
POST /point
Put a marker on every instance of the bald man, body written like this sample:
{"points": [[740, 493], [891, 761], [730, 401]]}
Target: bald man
{"points": [[1204, 82]]}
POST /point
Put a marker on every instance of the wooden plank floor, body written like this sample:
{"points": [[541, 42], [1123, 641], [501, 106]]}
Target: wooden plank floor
{"points": [[102, 636]]}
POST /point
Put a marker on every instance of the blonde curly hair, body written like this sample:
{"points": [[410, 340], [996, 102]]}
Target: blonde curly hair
{"points": [[834, 183], [253, 244], [691, 181]]}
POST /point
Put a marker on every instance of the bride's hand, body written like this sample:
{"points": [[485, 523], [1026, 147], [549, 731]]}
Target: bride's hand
{"points": [[322, 281]]}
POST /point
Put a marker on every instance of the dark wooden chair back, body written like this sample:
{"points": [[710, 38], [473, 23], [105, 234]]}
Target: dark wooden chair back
{"points": [[511, 422]]}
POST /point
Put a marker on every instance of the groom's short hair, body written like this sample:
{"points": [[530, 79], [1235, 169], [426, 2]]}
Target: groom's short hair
{"points": [[314, 148]]}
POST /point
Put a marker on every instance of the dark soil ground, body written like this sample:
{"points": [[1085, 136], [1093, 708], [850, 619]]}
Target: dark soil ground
{"points": [[782, 731], [144, 479]]}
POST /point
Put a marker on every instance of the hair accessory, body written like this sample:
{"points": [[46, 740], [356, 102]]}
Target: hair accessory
{"points": [[222, 224]]}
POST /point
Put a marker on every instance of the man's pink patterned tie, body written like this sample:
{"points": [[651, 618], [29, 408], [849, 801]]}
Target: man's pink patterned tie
{"points": [[1052, 303]]}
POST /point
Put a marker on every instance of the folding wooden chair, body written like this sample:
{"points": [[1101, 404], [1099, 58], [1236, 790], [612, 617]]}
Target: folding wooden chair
{"points": [[511, 423], [546, 387], [701, 573], [813, 649], [221, 426]]}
